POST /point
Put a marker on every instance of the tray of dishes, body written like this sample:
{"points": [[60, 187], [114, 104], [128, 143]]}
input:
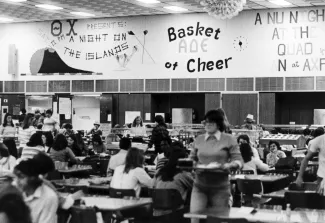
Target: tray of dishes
{"points": [[189, 164]]}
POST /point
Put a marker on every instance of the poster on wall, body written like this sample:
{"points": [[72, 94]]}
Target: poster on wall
{"points": [[65, 107], [256, 43]]}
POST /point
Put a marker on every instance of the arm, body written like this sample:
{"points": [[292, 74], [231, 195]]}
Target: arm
{"points": [[255, 153], [303, 167], [143, 177], [236, 160], [71, 156], [2, 130], [193, 154], [261, 166]]}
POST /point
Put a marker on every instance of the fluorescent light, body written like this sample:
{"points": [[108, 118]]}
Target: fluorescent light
{"points": [[280, 2], [82, 14], [17, 0], [149, 1], [2, 19], [50, 7], [176, 8]]}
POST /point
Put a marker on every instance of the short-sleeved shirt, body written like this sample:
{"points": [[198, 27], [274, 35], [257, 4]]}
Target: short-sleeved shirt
{"points": [[318, 145]]}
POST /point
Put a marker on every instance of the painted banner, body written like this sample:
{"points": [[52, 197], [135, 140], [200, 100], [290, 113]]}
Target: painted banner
{"points": [[283, 42]]}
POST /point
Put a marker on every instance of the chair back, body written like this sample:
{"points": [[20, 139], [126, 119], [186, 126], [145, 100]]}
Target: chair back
{"points": [[166, 199], [83, 215], [211, 219], [103, 165], [304, 200], [120, 193], [250, 187], [54, 175], [94, 166]]}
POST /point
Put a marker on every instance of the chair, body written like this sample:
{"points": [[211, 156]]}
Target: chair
{"points": [[83, 215], [211, 219], [298, 199], [120, 193], [251, 191], [54, 175], [307, 186], [103, 165]]}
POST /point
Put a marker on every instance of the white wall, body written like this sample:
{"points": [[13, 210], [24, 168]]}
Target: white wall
{"points": [[264, 43], [87, 111]]}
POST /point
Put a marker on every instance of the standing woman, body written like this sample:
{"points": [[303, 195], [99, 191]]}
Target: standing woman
{"points": [[159, 133], [26, 131], [8, 129], [211, 191]]}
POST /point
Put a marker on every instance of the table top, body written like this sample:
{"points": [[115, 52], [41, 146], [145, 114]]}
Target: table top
{"points": [[85, 182], [263, 178], [270, 216], [313, 163], [115, 204], [75, 170]]}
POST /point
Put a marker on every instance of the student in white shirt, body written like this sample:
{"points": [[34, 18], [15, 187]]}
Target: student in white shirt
{"points": [[250, 162], [131, 175], [8, 129], [119, 158], [40, 198], [26, 131], [137, 127], [50, 124]]}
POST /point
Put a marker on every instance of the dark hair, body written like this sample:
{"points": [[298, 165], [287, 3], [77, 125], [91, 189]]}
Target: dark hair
{"points": [[134, 159], [134, 124], [12, 148], [26, 124], [168, 172], [125, 143], [215, 116], [37, 111], [68, 126], [13, 205], [60, 142], [243, 137], [49, 138], [246, 152], [97, 138], [35, 140], [160, 120], [4, 152], [30, 168], [167, 148], [318, 132], [306, 131], [23, 110], [276, 143], [5, 122], [49, 111], [44, 162]]}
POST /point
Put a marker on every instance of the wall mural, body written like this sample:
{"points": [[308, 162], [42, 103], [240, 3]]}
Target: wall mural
{"points": [[283, 42]]}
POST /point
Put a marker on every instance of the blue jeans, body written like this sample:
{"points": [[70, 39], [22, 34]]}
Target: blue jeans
{"points": [[213, 201]]}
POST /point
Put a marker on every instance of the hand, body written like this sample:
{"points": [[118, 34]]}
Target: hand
{"points": [[226, 166], [299, 182]]}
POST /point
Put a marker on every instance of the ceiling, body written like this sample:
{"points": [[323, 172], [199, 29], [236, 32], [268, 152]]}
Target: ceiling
{"points": [[26, 11]]}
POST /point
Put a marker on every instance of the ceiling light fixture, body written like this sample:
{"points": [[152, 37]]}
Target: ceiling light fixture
{"points": [[50, 7], [17, 0], [149, 1], [176, 8], [82, 14], [3, 19], [280, 2]]}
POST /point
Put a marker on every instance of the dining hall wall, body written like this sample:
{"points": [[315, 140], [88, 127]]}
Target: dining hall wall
{"points": [[257, 43]]}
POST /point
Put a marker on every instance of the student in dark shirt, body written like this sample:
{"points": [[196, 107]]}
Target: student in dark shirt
{"points": [[159, 133]]}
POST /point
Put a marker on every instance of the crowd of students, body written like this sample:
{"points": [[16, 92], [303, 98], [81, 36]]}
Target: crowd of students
{"points": [[203, 191]]}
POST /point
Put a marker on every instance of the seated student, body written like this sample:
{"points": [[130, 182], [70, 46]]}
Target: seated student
{"points": [[170, 177], [60, 150], [34, 146], [119, 158], [131, 175], [47, 138], [7, 162], [12, 206], [40, 198], [12, 148], [97, 144], [275, 153], [161, 160], [137, 128], [46, 165], [72, 144], [250, 162], [245, 139], [67, 129]]}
